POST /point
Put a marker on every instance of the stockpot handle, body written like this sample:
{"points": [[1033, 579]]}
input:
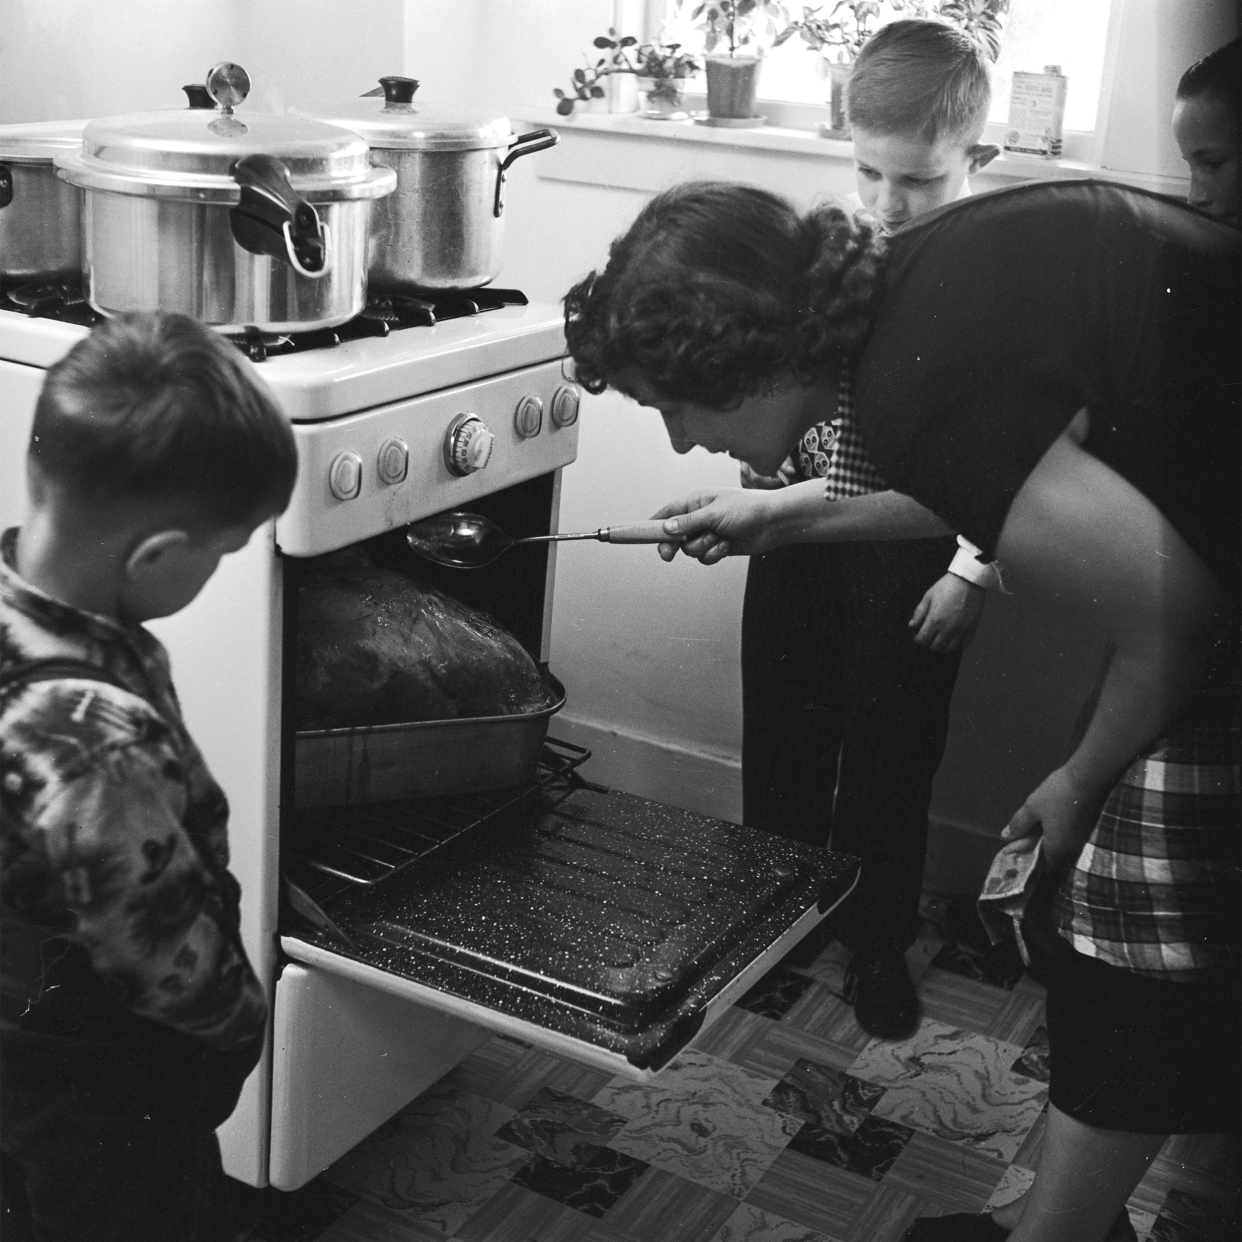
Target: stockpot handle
{"points": [[525, 144], [198, 95], [6, 185], [272, 218]]}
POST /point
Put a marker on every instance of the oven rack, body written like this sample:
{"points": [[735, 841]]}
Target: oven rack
{"points": [[328, 850]]}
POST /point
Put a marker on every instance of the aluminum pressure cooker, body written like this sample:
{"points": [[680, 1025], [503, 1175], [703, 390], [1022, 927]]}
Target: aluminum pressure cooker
{"points": [[40, 216], [236, 219], [444, 226]]}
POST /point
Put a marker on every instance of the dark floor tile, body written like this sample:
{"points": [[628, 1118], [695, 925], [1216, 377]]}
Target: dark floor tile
{"points": [[1188, 1218], [776, 993], [270, 1215], [1033, 1062], [868, 1151], [560, 1127], [1000, 965], [832, 1099], [598, 1179]]}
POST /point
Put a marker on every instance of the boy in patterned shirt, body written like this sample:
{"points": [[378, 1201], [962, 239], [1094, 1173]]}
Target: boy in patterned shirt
{"points": [[129, 1013], [845, 719]]}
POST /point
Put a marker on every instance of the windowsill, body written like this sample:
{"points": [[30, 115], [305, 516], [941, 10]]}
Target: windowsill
{"points": [[764, 142]]}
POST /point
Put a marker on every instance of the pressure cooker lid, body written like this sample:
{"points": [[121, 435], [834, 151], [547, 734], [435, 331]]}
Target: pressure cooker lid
{"points": [[188, 153], [389, 117], [39, 142]]}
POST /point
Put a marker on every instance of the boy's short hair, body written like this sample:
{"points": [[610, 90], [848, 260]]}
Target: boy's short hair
{"points": [[922, 79], [1217, 75], [155, 407]]}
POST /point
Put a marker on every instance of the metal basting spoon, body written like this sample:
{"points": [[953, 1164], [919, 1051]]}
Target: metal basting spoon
{"points": [[470, 541]]}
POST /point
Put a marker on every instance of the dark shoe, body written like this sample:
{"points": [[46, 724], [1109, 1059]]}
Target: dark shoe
{"points": [[960, 1227], [968, 1227], [877, 984]]}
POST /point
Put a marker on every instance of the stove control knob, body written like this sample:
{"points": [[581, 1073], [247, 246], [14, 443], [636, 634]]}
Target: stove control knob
{"points": [[565, 406], [345, 476], [468, 445], [393, 460], [528, 417]]}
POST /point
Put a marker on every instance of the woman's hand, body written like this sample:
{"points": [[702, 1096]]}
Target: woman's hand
{"points": [[1064, 811], [946, 617], [719, 522]]}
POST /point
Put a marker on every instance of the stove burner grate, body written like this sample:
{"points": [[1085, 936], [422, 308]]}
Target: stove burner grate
{"points": [[383, 313]]}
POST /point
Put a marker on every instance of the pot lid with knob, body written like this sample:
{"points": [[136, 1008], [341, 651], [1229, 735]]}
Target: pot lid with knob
{"points": [[389, 117], [39, 142], [190, 153]]}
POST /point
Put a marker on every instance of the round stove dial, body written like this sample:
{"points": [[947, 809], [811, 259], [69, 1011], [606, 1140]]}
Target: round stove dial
{"points": [[468, 444], [565, 406], [528, 417], [345, 476]]}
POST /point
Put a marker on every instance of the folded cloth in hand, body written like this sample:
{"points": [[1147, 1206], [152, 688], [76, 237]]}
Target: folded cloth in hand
{"points": [[1010, 884]]}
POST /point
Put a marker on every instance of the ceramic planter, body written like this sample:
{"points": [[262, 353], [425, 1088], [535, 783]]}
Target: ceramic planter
{"points": [[731, 85], [838, 77], [662, 98]]}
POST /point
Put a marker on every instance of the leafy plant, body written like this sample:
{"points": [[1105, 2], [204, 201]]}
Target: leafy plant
{"points": [[848, 24], [738, 23], [665, 61], [585, 84]]}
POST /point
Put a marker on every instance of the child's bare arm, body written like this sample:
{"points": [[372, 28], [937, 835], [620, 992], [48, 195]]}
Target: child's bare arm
{"points": [[948, 614]]}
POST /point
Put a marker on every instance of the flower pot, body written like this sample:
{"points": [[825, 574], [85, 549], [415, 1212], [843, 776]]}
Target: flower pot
{"points": [[662, 98], [731, 84], [838, 77]]}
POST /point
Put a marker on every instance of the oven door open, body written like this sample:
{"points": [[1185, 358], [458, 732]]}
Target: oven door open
{"points": [[589, 923]]}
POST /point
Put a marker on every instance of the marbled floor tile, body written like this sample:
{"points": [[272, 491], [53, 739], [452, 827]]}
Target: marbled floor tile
{"points": [[1033, 1060], [868, 1151], [969, 1004], [959, 1179], [829, 966], [1143, 1223], [956, 1085], [1167, 1172], [704, 1120], [811, 1193], [268, 1215], [534, 1070], [559, 1126], [372, 1222], [660, 1205], [517, 1214], [1016, 1182], [776, 993], [1021, 1013], [436, 1160], [1028, 1154], [833, 1100], [749, 1224], [598, 1178], [1217, 1152], [1188, 1218], [822, 1013], [734, 1035], [784, 1044]]}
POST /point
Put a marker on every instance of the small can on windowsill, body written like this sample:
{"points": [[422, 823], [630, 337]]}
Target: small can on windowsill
{"points": [[1036, 111]]}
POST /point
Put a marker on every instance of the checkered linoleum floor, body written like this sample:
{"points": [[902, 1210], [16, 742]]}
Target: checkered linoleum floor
{"points": [[783, 1123]]}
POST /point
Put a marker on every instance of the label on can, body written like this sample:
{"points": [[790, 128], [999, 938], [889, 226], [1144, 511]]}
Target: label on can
{"points": [[1036, 111]]}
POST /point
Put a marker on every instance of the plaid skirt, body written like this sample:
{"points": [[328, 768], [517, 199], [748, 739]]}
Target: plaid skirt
{"points": [[1155, 889]]}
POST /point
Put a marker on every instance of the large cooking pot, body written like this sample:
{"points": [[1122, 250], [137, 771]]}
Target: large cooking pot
{"points": [[237, 220], [444, 226], [40, 216]]}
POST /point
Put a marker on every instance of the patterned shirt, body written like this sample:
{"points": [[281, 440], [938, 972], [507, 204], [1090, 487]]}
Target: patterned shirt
{"points": [[113, 842], [834, 451]]}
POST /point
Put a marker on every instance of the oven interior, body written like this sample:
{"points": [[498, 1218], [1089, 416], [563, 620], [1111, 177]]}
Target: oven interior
{"points": [[594, 913]]}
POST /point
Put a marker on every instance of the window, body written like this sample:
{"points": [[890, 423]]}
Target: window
{"points": [[1069, 33]]}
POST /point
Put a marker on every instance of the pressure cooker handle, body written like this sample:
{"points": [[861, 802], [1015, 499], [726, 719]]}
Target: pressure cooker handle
{"points": [[198, 95], [6, 185], [525, 144], [272, 218]]}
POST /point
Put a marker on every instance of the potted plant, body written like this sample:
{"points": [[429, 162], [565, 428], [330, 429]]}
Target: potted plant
{"points": [[662, 68], [839, 34], [740, 29], [588, 84]]}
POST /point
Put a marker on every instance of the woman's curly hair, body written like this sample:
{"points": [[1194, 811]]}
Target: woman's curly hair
{"points": [[719, 291]]}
